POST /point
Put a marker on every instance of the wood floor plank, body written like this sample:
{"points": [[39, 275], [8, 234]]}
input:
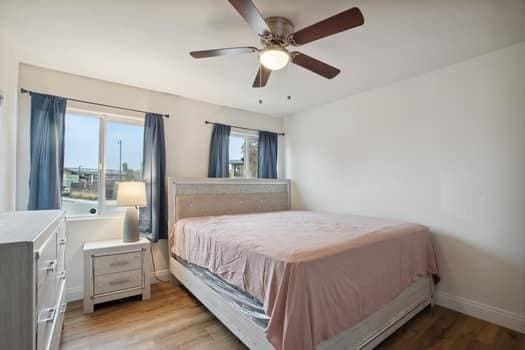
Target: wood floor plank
{"points": [[174, 319]]}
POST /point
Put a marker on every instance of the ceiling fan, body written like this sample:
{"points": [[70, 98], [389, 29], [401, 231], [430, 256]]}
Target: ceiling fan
{"points": [[277, 33]]}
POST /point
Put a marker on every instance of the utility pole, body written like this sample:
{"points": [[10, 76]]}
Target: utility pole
{"points": [[120, 161], [79, 181]]}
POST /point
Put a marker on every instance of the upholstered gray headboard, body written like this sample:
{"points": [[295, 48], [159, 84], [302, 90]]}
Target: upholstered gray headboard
{"points": [[203, 197]]}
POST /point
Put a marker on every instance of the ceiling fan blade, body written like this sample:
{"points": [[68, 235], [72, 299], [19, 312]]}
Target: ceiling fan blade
{"points": [[251, 15], [263, 74], [338, 23], [222, 52], [314, 65]]}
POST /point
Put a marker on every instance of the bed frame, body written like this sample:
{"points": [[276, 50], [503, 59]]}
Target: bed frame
{"points": [[189, 198]]}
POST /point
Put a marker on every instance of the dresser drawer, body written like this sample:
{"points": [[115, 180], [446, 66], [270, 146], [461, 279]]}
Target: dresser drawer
{"points": [[47, 260], [61, 230], [47, 264], [45, 319], [61, 243], [119, 281], [49, 321], [61, 258], [117, 262], [54, 341]]}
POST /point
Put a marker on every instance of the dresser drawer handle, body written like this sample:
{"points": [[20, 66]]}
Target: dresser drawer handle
{"points": [[51, 266], [120, 281], [51, 315], [119, 263]]}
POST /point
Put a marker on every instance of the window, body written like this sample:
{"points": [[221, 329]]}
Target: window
{"points": [[243, 155], [96, 145], [123, 158], [80, 180]]}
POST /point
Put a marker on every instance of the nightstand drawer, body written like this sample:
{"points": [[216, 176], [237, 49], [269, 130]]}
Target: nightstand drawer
{"points": [[117, 262], [118, 281]]}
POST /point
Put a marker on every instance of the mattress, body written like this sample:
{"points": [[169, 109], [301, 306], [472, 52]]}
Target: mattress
{"points": [[242, 301], [316, 274]]}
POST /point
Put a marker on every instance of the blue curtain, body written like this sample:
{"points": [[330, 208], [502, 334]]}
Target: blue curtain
{"points": [[153, 220], [268, 154], [46, 151], [219, 151]]}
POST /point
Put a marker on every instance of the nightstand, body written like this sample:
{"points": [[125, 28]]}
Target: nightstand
{"points": [[115, 269]]}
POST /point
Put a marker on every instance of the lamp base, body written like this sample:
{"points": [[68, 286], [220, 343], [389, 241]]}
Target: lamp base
{"points": [[131, 225]]}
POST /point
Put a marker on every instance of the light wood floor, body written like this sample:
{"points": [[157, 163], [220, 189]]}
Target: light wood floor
{"points": [[173, 319]]}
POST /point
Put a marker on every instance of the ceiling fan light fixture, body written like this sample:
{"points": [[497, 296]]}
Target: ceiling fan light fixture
{"points": [[274, 58]]}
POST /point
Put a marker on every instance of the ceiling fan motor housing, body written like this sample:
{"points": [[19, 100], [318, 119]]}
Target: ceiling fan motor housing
{"points": [[281, 29]]}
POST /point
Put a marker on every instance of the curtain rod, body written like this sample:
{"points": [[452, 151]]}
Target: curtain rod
{"points": [[24, 91], [243, 128]]}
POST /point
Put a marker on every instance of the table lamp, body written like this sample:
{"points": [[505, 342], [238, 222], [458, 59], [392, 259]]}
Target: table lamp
{"points": [[131, 195]]}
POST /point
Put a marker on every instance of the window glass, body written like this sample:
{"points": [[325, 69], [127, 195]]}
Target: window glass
{"points": [[80, 181], [252, 150], [243, 155], [123, 159], [83, 191], [236, 156]]}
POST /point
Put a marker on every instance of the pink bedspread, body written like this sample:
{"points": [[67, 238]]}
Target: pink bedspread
{"points": [[316, 274]]}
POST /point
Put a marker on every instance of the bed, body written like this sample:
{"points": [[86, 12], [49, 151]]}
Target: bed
{"points": [[294, 279]]}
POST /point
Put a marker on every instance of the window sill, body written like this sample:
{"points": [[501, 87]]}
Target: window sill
{"points": [[242, 177], [94, 217]]}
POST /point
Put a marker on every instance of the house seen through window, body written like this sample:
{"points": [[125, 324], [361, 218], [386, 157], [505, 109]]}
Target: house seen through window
{"points": [[99, 152], [243, 155]]}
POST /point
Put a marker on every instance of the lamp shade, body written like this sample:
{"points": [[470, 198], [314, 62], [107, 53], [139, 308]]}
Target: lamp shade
{"points": [[274, 58], [131, 194]]}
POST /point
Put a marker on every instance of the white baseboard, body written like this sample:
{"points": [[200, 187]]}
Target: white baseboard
{"points": [[485, 312], [77, 293]]}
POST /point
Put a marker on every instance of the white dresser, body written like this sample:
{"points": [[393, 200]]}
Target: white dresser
{"points": [[32, 279]]}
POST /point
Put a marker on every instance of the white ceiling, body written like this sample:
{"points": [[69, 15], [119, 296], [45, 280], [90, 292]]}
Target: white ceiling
{"points": [[146, 44]]}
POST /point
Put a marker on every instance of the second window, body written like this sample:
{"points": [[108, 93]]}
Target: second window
{"points": [[244, 150]]}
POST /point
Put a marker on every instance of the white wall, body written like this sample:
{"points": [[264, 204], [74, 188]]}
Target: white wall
{"points": [[8, 88], [445, 149], [187, 145]]}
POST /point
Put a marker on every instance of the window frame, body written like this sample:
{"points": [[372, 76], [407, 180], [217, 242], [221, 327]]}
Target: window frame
{"points": [[245, 135], [104, 118]]}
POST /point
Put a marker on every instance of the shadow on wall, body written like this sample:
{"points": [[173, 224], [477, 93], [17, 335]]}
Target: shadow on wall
{"points": [[479, 274], [482, 275], [297, 197]]}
